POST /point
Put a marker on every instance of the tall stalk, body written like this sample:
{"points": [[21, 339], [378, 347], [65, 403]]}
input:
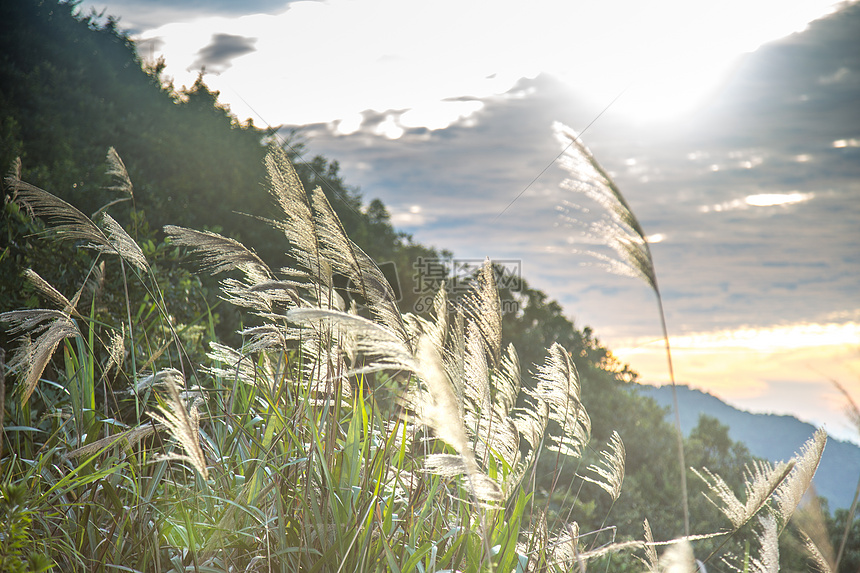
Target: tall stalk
{"points": [[620, 230], [678, 433]]}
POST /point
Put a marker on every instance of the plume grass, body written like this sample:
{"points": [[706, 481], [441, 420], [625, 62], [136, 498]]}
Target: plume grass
{"points": [[650, 561], [853, 412], [119, 174], [68, 223], [767, 560], [790, 492], [821, 562], [814, 536], [610, 470], [307, 464], [48, 291], [438, 409], [763, 480], [623, 234], [184, 427], [221, 254], [50, 327], [558, 386]]}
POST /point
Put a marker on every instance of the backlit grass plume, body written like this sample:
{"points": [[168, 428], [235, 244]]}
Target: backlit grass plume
{"points": [[67, 222], [119, 174], [51, 293], [467, 388], [365, 278], [219, 254], [50, 328], [762, 482], [372, 347], [772, 493], [852, 410], [558, 386], [785, 482], [815, 535], [791, 490], [820, 560], [650, 560], [321, 247], [439, 410], [610, 470], [64, 222], [767, 560], [184, 427], [619, 230]]}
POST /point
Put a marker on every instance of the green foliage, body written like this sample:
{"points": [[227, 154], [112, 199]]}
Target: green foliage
{"points": [[19, 552], [329, 481], [284, 454], [842, 530], [296, 478]]}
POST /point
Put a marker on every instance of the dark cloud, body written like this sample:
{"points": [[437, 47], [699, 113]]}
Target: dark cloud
{"points": [[218, 55], [140, 15], [812, 77], [221, 7], [149, 46]]}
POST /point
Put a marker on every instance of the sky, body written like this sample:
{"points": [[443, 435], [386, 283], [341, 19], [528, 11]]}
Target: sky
{"points": [[732, 128]]}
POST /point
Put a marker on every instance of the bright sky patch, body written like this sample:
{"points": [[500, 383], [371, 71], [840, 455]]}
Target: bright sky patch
{"points": [[382, 55]]}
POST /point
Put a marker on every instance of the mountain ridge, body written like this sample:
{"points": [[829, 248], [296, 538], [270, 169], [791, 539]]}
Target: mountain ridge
{"points": [[770, 436]]}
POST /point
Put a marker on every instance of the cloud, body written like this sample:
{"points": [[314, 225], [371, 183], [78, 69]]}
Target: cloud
{"points": [[218, 55], [767, 238], [149, 47], [760, 200], [842, 143], [141, 15], [412, 218]]}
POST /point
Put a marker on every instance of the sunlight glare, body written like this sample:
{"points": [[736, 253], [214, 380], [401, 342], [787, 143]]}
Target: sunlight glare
{"points": [[758, 200], [752, 367], [349, 124], [773, 339], [666, 56], [773, 199], [843, 143], [390, 128], [439, 115]]}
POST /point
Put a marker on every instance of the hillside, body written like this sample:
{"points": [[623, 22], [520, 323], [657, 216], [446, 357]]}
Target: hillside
{"points": [[194, 164], [771, 437]]}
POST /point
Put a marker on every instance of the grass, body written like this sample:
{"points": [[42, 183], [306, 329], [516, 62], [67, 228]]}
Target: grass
{"points": [[328, 441]]}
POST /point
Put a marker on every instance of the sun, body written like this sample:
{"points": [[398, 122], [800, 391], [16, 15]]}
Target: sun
{"points": [[663, 61]]}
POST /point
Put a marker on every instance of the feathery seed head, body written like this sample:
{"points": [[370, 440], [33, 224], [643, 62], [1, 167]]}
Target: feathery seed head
{"points": [[610, 471], [619, 229], [791, 490], [678, 558], [184, 426], [768, 537], [50, 327]]}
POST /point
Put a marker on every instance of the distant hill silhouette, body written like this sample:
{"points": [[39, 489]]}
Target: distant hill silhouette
{"points": [[771, 437]]}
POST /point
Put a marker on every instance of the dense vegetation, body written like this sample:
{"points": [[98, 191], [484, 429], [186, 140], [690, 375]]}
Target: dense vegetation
{"points": [[71, 90]]}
